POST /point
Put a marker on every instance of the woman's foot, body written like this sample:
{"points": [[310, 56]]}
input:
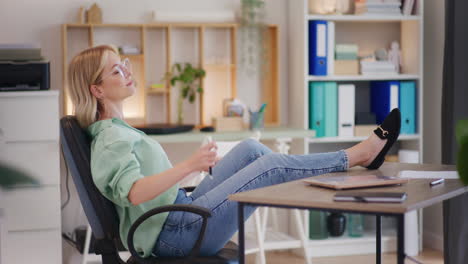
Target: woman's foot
{"points": [[365, 152], [371, 152]]}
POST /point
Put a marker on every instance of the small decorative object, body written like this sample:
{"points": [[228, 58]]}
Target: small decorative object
{"points": [[322, 7], [394, 55], [257, 118], [381, 54], [355, 225], [336, 223], [94, 14], [189, 78], [233, 107], [343, 6], [462, 158], [317, 225], [81, 15]]}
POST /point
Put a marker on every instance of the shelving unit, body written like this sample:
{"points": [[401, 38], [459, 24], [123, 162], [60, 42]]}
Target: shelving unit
{"points": [[211, 46], [160, 45], [369, 32]]}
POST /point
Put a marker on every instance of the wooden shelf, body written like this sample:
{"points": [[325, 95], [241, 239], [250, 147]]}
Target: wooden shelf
{"points": [[158, 25], [162, 91], [358, 18], [141, 62], [365, 77], [356, 139], [133, 56], [218, 66]]}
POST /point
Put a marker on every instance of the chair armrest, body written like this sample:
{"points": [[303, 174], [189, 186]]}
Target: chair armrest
{"points": [[189, 188], [203, 212]]}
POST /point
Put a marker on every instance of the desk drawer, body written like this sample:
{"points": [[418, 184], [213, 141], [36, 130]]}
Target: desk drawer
{"points": [[32, 208], [29, 116], [40, 160]]}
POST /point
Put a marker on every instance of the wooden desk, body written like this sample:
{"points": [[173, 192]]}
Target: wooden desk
{"points": [[298, 194]]}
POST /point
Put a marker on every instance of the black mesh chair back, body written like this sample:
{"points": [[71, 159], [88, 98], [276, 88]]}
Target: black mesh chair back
{"points": [[101, 213]]}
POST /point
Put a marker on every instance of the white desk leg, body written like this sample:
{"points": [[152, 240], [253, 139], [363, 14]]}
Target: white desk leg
{"points": [[302, 234], [260, 234], [86, 245]]}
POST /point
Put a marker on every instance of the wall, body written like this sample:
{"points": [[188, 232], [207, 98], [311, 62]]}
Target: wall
{"points": [[39, 22], [434, 35]]}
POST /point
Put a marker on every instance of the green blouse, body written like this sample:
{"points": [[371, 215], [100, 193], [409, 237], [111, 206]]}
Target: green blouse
{"points": [[120, 155]]}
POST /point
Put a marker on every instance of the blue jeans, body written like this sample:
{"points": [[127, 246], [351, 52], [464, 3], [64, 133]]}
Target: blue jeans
{"points": [[249, 165]]}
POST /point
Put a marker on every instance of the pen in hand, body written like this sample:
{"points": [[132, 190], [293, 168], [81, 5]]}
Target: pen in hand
{"points": [[208, 140], [436, 182]]}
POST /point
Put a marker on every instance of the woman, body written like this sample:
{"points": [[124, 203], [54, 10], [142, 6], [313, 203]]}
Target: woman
{"points": [[133, 171]]}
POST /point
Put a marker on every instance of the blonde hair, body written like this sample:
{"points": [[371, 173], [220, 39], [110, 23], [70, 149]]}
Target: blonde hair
{"points": [[85, 69]]}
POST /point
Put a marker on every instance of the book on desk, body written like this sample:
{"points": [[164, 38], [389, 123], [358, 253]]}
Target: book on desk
{"points": [[370, 197], [355, 181]]}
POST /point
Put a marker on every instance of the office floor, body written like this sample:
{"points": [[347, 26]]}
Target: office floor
{"points": [[428, 256]]}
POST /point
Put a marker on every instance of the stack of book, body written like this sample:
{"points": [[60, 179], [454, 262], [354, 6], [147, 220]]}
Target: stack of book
{"points": [[377, 67], [128, 49], [377, 7], [346, 62]]}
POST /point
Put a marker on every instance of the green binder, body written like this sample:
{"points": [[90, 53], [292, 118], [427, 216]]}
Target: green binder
{"points": [[316, 108], [331, 109]]}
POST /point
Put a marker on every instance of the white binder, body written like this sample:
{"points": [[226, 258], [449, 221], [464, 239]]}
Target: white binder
{"points": [[346, 110], [331, 48]]}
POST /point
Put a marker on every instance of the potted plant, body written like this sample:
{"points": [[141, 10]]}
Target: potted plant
{"points": [[189, 78], [12, 177], [462, 158]]}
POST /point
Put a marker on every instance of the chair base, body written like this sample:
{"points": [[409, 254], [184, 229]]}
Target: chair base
{"points": [[227, 255]]}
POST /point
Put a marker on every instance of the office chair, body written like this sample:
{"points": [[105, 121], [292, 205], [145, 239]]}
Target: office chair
{"points": [[103, 218]]}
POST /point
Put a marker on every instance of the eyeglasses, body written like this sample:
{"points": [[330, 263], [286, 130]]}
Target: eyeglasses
{"points": [[124, 69]]}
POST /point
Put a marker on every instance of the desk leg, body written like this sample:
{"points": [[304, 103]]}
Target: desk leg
{"points": [[241, 233], [400, 239], [378, 240]]}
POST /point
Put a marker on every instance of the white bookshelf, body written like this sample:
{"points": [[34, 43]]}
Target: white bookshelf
{"points": [[369, 32], [364, 77], [364, 18], [357, 139]]}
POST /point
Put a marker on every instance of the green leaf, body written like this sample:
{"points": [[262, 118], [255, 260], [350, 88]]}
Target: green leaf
{"points": [[178, 67], [461, 130], [185, 91], [173, 81], [192, 98], [199, 89]]}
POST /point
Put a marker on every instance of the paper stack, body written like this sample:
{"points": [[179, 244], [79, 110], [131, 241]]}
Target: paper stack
{"points": [[377, 67], [378, 7], [128, 49]]}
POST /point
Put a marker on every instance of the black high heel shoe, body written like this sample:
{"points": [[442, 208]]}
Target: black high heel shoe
{"points": [[389, 130]]}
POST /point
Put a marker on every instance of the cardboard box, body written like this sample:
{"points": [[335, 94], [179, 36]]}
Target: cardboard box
{"points": [[346, 67], [228, 123]]}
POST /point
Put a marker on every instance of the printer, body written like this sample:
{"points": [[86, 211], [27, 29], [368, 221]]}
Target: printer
{"points": [[24, 75], [22, 68]]}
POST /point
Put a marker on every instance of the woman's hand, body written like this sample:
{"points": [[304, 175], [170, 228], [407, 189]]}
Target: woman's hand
{"points": [[203, 158]]}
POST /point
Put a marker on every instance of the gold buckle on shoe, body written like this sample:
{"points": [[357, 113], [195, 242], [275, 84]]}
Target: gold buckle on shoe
{"points": [[384, 132]]}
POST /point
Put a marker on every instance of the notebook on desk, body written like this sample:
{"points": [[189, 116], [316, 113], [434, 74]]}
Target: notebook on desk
{"points": [[357, 181], [370, 197]]}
